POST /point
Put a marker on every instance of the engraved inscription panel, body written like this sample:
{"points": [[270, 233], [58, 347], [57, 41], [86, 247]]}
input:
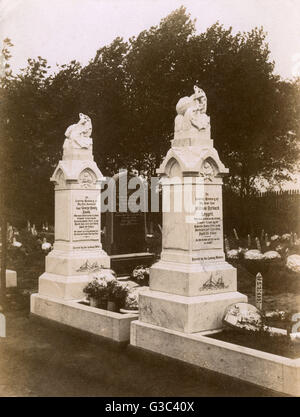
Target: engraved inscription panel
{"points": [[86, 216], [208, 222]]}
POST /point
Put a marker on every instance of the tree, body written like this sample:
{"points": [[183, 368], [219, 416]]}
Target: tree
{"points": [[252, 111], [35, 113], [5, 74], [155, 80], [22, 140], [130, 90], [103, 98]]}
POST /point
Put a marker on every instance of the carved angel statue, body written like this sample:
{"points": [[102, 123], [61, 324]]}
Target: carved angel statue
{"points": [[191, 112], [79, 135]]}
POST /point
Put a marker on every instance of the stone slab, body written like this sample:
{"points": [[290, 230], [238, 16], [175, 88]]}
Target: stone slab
{"points": [[11, 279], [186, 314], [59, 286], [73, 263], [192, 257], [114, 326], [124, 264], [193, 279], [257, 367], [192, 222]]}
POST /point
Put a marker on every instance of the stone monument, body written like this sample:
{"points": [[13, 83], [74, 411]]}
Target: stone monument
{"points": [[77, 247], [192, 284]]}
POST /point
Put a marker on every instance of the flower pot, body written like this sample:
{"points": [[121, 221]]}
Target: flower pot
{"points": [[102, 303], [111, 306], [93, 302]]}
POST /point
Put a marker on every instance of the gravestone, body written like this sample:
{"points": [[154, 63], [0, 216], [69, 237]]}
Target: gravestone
{"points": [[192, 285], [259, 291], [126, 228], [11, 278], [77, 246]]}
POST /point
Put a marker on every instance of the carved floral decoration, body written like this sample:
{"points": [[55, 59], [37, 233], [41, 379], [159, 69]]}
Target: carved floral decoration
{"points": [[87, 178], [207, 171]]}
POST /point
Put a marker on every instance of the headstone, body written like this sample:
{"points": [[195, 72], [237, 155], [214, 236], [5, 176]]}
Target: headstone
{"points": [[192, 284], [259, 291], [2, 325], [77, 241], [126, 228], [11, 278]]}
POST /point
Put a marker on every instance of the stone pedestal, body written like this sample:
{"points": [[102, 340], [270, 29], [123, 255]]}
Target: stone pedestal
{"points": [[77, 252], [192, 284], [77, 248]]}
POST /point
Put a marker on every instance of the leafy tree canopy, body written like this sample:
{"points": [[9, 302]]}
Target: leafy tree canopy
{"points": [[130, 90]]}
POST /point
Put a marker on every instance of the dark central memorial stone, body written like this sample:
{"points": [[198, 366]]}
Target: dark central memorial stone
{"points": [[126, 228]]}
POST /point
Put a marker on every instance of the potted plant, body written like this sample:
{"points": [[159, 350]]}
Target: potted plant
{"points": [[116, 294], [102, 295], [91, 289], [100, 277], [96, 291]]}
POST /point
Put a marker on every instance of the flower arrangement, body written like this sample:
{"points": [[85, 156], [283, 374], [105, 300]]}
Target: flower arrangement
{"points": [[117, 293], [293, 263], [233, 254], [46, 246], [271, 255], [261, 254], [101, 273], [96, 291], [94, 288], [140, 275], [105, 291], [253, 254]]}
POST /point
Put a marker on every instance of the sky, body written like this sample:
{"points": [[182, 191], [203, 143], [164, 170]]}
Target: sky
{"points": [[63, 30]]}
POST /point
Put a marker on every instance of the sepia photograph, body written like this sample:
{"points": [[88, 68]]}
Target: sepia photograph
{"points": [[150, 201]]}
